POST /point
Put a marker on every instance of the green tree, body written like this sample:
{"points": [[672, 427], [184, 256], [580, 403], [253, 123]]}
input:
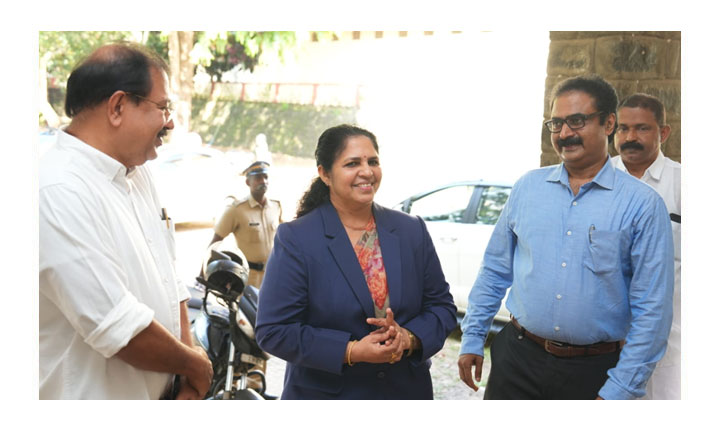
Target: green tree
{"points": [[217, 52]]}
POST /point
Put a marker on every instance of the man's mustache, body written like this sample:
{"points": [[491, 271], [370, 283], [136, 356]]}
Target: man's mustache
{"points": [[163, 132], [574, 140], [631, 145]]}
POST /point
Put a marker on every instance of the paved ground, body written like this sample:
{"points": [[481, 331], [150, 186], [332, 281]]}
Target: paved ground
{"points": [[191, 242], [444, 371]]}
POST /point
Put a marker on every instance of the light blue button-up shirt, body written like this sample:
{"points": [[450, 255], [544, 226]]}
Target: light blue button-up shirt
{"points": [[585, 268]]}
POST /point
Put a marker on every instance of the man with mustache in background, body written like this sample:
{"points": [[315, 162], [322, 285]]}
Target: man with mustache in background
{"points": [[641, 130], [113, 320], [588, 252]]}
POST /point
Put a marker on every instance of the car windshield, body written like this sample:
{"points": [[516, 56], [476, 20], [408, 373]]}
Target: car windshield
{"points": [[491, 204], [447, 205]]}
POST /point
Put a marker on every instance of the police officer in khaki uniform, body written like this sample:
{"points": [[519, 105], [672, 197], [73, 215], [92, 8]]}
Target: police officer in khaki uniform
{"points": [[253, 221]]}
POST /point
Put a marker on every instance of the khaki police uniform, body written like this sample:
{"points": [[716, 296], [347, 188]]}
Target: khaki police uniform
{"points": [[254, 227]]}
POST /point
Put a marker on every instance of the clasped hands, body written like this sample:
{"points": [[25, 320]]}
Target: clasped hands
{"points": [[383, 345]]}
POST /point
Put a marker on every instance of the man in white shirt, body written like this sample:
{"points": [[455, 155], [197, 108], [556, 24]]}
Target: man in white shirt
{"points": [[641, 131], [113, 321]]}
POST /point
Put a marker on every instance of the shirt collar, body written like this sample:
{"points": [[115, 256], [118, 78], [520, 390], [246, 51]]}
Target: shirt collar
{"points": [[112, 169], [558, 175], [253, 202], [654, 170], [605, 178]]}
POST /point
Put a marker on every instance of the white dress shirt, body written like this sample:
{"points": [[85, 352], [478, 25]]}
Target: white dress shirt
{"points": [[664, 176], [106, 270]]}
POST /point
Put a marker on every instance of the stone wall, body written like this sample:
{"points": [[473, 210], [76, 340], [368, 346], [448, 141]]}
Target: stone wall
{"points": [[647, 62]]}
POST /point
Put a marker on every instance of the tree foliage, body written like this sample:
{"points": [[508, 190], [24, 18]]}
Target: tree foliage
{"points": [[219, 52], [64, 50], [158, 42]]}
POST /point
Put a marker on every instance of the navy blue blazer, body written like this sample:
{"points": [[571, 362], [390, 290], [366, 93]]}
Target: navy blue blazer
{"points": [[314, 299]]}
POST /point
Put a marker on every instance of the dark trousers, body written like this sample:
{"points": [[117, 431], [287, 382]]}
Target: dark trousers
{"points": [[522, 369]]}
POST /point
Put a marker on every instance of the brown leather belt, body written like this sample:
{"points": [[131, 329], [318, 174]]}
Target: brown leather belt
{"points": [[561, 349]]}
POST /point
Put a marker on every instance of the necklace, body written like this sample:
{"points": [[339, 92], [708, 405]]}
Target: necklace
{"points": [[362, 228], [353, 228]]}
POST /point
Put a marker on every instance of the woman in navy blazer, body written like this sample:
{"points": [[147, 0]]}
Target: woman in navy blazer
{"points": [[316, 310]]}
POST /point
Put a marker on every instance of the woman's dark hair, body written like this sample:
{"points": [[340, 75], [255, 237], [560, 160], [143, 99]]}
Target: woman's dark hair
{"points": [[331, 143], [122, 66]]}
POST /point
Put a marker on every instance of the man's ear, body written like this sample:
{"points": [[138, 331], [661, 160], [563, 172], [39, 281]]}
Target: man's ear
{"points": [[115, 107], [610, 124], [664, 133]]}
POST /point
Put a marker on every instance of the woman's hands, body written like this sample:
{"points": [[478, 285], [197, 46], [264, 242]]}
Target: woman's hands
{"points": [[376, 347], [384, 345]]}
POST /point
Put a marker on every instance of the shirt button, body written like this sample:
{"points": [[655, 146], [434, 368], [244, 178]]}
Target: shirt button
{"points": [[381, 375], [557, 328], [569, 233], [574, 203], [558, 297], [564, 264]]}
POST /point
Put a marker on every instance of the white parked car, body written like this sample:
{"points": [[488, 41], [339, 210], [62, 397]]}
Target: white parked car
{"points": [[193, 182], [460, 218]]}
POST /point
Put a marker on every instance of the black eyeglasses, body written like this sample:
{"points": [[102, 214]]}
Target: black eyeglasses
{"points": [[574, 122], [167, 109]]}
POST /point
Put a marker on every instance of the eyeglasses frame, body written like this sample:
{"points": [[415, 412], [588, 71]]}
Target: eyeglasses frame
{"points": [[584, 117], [167, 109]]}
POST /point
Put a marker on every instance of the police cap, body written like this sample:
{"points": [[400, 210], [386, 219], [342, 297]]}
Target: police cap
{"points": [[258, 167]]}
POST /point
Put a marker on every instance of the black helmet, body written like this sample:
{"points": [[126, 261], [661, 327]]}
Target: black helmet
{"points": [[225, 270]]}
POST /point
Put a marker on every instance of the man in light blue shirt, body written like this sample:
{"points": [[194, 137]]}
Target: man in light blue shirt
{"points": [[588, 251]]}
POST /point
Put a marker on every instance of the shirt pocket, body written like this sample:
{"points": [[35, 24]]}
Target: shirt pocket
{"points": [[168, 228], [254, 232], [604, 251]]}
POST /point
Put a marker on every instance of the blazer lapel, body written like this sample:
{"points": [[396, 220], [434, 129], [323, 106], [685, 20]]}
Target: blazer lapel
{"points": [[345, 258], [390, 247]]}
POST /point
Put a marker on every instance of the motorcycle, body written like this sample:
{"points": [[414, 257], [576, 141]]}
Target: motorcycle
{"points": [[223, 309]]}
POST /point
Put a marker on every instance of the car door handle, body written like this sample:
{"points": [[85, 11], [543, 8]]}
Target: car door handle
{"points": [[448, 239]]}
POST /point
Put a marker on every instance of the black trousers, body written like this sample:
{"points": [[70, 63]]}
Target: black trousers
{"points": [[522, 369]]}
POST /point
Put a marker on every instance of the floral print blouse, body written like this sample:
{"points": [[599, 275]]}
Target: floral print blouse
{"points": [[369, 255]]}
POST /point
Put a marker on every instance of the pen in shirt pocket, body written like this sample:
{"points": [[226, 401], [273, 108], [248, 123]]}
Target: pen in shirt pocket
{"points": [[165, 217], [590, 232]]}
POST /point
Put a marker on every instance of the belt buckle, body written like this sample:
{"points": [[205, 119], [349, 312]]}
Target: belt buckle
{"points": [[554, 344]]}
